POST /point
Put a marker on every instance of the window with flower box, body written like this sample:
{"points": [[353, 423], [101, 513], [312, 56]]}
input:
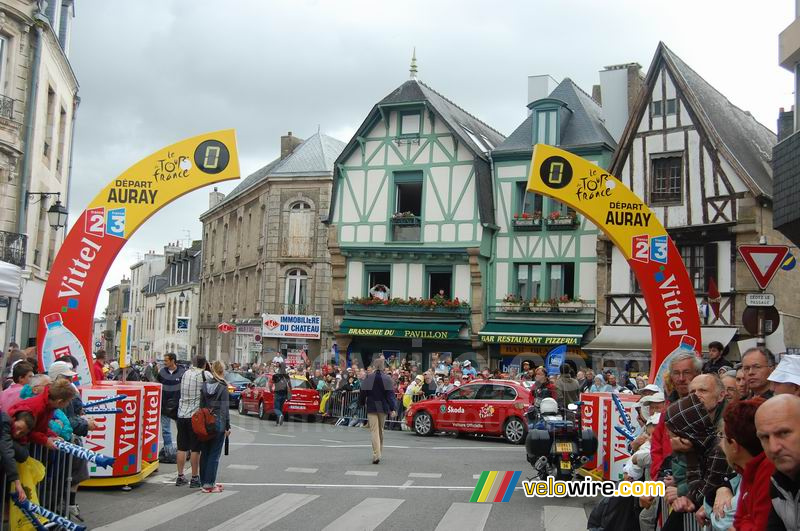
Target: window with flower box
{"points": [[528, 209]]}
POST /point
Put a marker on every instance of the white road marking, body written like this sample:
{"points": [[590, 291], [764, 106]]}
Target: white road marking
{"points": [[476, 476], [332, 441], [301, 445], [165, 512], [465, 517], [282, 435], [361, 473], [563, 518], [365, 516], [243, 467], [243, 429], [424, 475], [267, 513], [302, 470], [407, 484], [351, 486]]}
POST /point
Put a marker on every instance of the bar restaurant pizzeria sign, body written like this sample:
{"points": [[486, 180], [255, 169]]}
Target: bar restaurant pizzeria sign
{"points": [[530, 340]]}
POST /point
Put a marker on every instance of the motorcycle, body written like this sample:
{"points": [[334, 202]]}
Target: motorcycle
{"points": [[557, 445]]}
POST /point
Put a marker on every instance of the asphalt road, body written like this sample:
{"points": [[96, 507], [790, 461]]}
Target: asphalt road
{"points": [[308, 476]]}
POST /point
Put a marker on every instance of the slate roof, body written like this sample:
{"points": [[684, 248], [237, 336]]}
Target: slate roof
{"points": [[478, 136], [738, 137], [313, 158], [748, 140], [585, 125]]}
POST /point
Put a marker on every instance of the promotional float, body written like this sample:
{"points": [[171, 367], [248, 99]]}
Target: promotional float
{"points": [[653, 258], [77, 275]]}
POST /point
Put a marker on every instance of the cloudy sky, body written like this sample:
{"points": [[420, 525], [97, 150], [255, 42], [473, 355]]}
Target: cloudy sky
{"points": [[152, 72]]}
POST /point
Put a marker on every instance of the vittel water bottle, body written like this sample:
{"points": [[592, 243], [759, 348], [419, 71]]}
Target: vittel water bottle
{"points": [[688, 344], [59, 341]]}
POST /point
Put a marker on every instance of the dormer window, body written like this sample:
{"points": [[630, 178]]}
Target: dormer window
{"points": [[547, 127], [410, 123]]}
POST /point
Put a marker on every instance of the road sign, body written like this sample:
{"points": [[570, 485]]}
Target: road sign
{"points": [[771, 319], [226, 327], [763, 261], [97, 344], [760, 299]]}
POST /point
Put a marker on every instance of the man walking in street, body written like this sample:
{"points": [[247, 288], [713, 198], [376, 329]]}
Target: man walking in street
{"points": [[170, 379], [378, 394], [191, 385]]}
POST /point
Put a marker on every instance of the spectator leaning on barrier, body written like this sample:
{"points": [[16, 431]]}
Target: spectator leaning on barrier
{"points": [[170, 379], [21, 374], [13, 431], [682, 370], [786, 376], [55, 396], [778, 429], [191, 385], [757, 364]]}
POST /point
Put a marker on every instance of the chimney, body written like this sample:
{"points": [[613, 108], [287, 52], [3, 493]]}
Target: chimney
{"points": [[288, 143], [215, 198], [785, 123], [540, 87], [619, 88]]}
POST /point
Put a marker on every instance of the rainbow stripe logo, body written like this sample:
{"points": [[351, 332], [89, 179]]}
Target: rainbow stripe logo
{"points": [[494, 486]]}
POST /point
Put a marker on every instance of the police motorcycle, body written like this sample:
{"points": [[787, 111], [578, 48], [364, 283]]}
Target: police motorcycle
{"points": [[556, 445]]}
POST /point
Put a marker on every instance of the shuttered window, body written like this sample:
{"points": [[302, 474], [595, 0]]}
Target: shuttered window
{"points": [[301, 230]]}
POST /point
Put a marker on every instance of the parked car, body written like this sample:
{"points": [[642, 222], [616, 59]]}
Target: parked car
{"points": [[258, 398], [490, 407], [236, 384]]}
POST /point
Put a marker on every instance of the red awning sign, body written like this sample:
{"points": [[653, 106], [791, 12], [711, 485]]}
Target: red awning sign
{"points": [[763, 261]]}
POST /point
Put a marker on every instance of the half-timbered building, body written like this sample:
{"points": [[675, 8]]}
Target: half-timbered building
{"points": [[703, 166]]}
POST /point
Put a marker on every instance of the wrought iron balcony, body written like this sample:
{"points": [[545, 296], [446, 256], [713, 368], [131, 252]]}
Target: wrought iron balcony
{"points": [[13, 247], [630, 309], [295, 309], [571, 312], [7, 107]]}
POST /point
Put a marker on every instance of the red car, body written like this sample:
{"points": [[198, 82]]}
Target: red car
{"points": [[258, 398], [491, 407]]}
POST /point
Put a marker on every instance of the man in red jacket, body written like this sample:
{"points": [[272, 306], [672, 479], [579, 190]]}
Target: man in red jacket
{"points": [[682, 370], [57, 396], [99, 363]]}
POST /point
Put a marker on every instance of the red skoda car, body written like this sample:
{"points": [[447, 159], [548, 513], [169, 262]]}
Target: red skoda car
{"points": [[491, 407]]}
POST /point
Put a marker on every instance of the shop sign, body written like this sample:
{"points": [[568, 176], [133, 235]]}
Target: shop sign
{"points": [[531, 340], [410, 334], [524, 350], [293, 326]]}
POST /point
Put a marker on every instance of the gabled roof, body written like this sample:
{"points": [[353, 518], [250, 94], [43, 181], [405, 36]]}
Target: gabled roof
{"points": [[475, 134], [739, 138], [313, 158], [584, 127]]}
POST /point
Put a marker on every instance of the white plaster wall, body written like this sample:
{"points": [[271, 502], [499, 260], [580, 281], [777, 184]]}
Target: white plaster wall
{"points": [[415, 280], [354, 159], [736, 182], [620, 273], [462, 180], [464, 154], [378, 131], [501, 280], [392, 159], [438, 154], [399, 280], [371, 147], [588, 277], [440, 127], [510, 172], [588, 245], [447, 143], [724, 273], [502, 247], [439, 177], [462, 282], [448, 233], [378, 191], [506, 206], [379, 233], [348, 233], [431, 234], [465, 232], [355, 278], [362, 233], [393, 124]]}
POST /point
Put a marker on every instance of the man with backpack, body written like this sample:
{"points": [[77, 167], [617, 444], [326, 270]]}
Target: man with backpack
{"points": [[170, 379], [189, 402]]}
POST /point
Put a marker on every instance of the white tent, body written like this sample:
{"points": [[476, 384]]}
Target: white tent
{"points": [[10, 280]]}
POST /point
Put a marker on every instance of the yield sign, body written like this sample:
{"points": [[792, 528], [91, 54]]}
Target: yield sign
{"points": [[763, 261]]}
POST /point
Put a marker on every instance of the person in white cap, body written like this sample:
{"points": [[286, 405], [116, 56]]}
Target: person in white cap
{"points": [[649, 389], [786, 376], [468, 370]]}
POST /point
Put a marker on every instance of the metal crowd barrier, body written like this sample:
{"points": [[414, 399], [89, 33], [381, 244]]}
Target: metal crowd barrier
{"points": [[343, 405], [53, 489], [689, 521]]}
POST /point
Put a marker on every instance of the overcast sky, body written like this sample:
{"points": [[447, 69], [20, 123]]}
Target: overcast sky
{"points": [[152, 72]]}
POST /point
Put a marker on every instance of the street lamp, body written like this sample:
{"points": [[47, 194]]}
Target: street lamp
{"points": [[57, 213], [182, 297]]}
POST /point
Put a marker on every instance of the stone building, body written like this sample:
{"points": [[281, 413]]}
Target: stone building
{"points": [[119, 300], [38, 101], [265, 254]]}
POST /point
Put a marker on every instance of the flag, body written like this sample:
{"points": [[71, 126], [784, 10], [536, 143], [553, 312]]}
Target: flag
{"points": [[555, 359], [714, 297]]}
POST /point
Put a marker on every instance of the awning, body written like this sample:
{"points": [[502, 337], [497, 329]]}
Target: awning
{"points": [[638, 338], [10, 280], [533, 334], [405, 329]]}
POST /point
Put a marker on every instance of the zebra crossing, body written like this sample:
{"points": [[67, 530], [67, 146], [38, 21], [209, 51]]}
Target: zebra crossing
{"points": [[365, 513]]}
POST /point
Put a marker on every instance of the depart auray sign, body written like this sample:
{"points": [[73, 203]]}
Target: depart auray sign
{"points": [[640, 237], [291, 326], [99, 233]]}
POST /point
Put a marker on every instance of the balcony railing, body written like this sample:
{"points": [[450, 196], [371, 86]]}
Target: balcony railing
{"points": [[295, 309], [564, 312], [406, 229], [7, 107], [630, 309], [386, 310], [13, 247]]}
